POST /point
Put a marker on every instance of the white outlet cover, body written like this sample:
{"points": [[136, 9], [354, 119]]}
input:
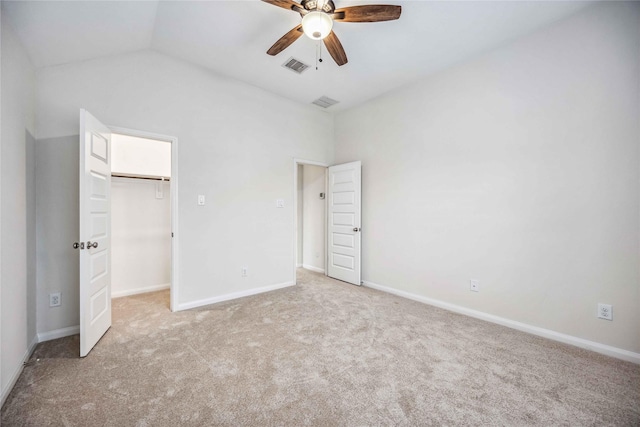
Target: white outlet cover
{"points": [[605, 311], [279, 203], [474, 285], [201, 199], [54, 299]]}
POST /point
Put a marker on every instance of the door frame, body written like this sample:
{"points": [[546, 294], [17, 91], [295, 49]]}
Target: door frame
{"points": [[296, 163], [173, 190]]}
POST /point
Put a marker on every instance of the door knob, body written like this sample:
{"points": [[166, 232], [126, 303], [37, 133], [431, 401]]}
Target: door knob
{"points": [[356, 229], [77, 245], [92, 244]]}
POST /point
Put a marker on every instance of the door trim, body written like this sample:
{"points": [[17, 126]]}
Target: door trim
{"points": [[173, 189], [297, 162]]}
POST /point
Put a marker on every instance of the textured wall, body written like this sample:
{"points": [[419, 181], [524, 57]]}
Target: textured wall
{"points": [[519, 169], [17, 330]]}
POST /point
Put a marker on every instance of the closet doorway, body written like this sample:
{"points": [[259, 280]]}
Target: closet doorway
{"points": [[310, 202], [143, 214], [327, 223]]}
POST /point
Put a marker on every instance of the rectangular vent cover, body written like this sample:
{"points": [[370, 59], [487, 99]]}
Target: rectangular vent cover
{"points": [[294, 65], [325, 102]]}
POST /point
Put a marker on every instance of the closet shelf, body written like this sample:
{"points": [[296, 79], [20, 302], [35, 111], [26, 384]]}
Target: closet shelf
{"points": [[136, 176]]}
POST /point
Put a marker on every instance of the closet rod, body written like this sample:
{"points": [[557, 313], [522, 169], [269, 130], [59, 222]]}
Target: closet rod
{"points": [[133, 176]]}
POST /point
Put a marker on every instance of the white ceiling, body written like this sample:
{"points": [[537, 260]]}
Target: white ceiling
{"points": [[231, 38]]}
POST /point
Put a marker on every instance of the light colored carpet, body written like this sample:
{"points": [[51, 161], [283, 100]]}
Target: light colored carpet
{"points": [[320, 353]]}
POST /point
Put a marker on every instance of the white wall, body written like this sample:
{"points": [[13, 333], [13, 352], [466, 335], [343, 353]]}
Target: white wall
{"points": [[313, 229], [519, 169], [236, 145], [140, 236], [140, 156], [17, 332], [57, 226]]}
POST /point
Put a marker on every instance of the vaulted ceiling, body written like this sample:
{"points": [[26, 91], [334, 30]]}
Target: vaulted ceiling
{"points": [[231, 38]]}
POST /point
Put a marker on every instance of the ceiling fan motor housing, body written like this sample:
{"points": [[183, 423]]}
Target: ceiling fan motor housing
{"points": [[327, 6]]}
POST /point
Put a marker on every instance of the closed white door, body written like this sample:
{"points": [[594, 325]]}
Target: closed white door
{"points": [[344, 222], [95, 231]]}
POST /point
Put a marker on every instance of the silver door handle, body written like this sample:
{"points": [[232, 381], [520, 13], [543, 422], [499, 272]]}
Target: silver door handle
{"points": [[356, 229], [92, 244], [77, 245]]}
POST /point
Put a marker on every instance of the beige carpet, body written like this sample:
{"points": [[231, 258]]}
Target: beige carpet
{"points": [[320, 353]]}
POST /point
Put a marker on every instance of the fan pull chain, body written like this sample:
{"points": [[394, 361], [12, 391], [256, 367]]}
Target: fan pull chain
{"points": [[318, 54]]}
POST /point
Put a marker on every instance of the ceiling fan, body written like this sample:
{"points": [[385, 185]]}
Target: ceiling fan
{"points": [[317, 22]]}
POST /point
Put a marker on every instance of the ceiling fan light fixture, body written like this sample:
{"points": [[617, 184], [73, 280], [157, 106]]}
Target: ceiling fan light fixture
{"points": [[317, 25]]}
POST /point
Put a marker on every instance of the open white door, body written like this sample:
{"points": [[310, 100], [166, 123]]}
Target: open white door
{"points": [[95, 231], [344, 222]]}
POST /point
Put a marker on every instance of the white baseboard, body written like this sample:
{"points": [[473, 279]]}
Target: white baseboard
{"points": [[234, 295], [298, 265], [546, 333], [137, 291], [58, 333], [312, 268], [14, 378]]}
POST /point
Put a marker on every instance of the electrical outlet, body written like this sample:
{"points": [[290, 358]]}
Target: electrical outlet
{"points": [[54, 299], [474, 285], [244, 271], [605, 311]]}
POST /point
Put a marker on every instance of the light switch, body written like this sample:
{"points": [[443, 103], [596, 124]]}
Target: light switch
{"points": [[201, 199], [279, 203]]}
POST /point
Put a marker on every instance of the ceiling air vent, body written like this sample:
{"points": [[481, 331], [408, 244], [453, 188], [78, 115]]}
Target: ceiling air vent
{"points": [[325, 102], [294, 65]]}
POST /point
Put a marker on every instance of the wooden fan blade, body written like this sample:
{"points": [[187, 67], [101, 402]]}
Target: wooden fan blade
{"points": [[285, 41], [285, 4], [368, 13], [335, 48]]}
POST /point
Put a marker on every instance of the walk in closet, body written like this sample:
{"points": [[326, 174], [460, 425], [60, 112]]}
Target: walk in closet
{"points": [[141, 215]]}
